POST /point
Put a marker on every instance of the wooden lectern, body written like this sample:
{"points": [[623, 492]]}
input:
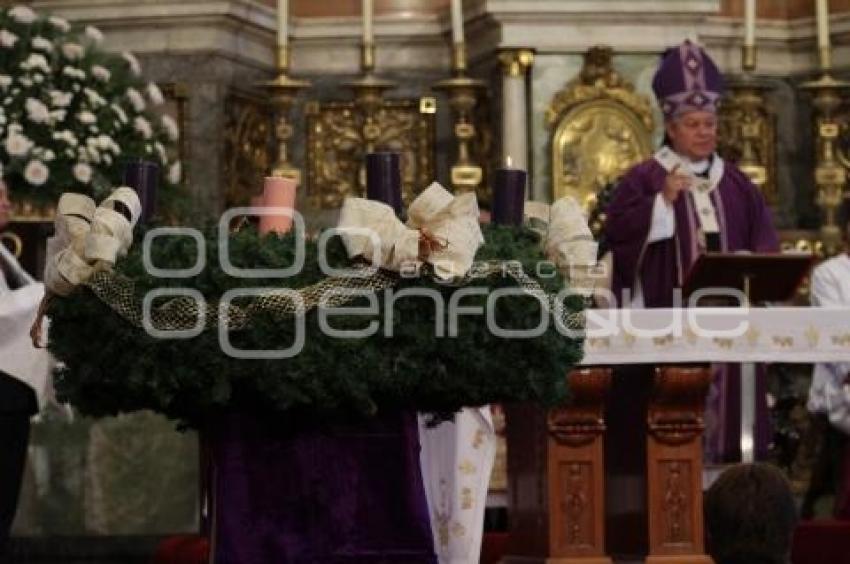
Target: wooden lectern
{"points": [[556, 459]]}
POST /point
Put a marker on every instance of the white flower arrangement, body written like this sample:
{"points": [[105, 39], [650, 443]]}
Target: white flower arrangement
{"points": [[22, 14], [37, 112], [101, 73], [73, 51], [42, 44], [71, 114], [136, 100], [60, 23], [7, 39], [94, 34], [36, 172], [155, 94]]}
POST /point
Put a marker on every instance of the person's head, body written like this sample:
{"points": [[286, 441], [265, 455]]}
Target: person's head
{"points": [[693, 134], [750, 516], [688, 86], [5, 205]]}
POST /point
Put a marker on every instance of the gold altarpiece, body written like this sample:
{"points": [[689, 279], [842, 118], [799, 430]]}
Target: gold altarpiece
{"points": [[336, 146], [600, 128]]}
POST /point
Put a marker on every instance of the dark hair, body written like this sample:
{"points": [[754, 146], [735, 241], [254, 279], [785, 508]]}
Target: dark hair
{"points": [[750, 516]]}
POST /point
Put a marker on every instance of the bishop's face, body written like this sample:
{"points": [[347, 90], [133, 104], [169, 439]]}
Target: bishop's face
{"points": [[693, 134], [5, 205]]}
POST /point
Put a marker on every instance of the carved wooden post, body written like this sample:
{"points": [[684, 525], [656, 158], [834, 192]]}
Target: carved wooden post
{"points": [[555, 471], [674, 465]]}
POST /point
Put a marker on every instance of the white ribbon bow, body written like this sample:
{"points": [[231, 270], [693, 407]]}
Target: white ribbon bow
{"points": [[568, 242], [88, 238], [441, 230]]}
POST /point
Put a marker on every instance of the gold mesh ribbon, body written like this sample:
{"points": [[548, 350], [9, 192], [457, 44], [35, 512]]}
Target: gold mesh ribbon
{"points": [[184, 313]]}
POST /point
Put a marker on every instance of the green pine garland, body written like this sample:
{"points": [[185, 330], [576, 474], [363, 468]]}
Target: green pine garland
{"points": [[109, 366]]}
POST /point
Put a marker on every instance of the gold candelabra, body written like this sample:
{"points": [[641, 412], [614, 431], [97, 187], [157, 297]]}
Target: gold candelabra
{"points": [[751, 123], [830, 175], [463, 91], [283, 91], [369, 98]]}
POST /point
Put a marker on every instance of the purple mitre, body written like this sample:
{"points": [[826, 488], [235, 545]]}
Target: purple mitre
{"points": [[687, 80]]}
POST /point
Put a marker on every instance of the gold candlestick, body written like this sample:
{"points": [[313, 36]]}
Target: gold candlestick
{"points": [[463, 91], [369, 98], [283, 91], [830, 175]]}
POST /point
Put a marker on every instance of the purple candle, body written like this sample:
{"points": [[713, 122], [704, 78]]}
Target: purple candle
{"points": [[508, 196], [383, 179], [143, 177]]}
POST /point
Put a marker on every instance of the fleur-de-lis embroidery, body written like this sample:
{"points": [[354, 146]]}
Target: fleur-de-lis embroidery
{"points": [[466, 467], [812, 336], [842, 340], [466, 498], [458, 530], [663, 341], [599, 342], [691, 336], [724, 343], [783, 342], [753, 335], [478, 439]]}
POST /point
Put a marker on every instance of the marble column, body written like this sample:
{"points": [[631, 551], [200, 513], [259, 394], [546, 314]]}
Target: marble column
{"points": [[515, 65]]}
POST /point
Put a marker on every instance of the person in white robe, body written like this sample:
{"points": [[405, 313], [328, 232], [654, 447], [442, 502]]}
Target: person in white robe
{"points": [[24, 369], [829, 394]]}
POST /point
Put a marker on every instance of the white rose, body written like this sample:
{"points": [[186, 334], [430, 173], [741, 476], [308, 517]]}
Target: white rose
{"points": [[143, 126], [136, 99], [22, 14], [37, 78], [66, 136], [57, 116], [16, 127], [48, 155], [42, 44], [119, 111], [36, 173], [155, 94], [17, 145], [82, 172], [86, 117], [170, 126], [73, 51], [37, 112], [133, 62], [7, 38], [60, 23], [94, 34], [100, 73], [5, 81], [175, 173], [95, 99], [27, 82], [160, 151], [74, 73], [59, 99], [36, 61]]}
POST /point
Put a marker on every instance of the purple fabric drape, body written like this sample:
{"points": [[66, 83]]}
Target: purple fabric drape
{"points": [[745, 224], [339, 494]]}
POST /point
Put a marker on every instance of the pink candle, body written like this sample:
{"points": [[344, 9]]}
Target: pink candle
{"points": [[278, 193]]}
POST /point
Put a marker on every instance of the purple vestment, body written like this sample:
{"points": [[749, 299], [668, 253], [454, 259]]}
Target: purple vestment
{"points": [[745, 224]]}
